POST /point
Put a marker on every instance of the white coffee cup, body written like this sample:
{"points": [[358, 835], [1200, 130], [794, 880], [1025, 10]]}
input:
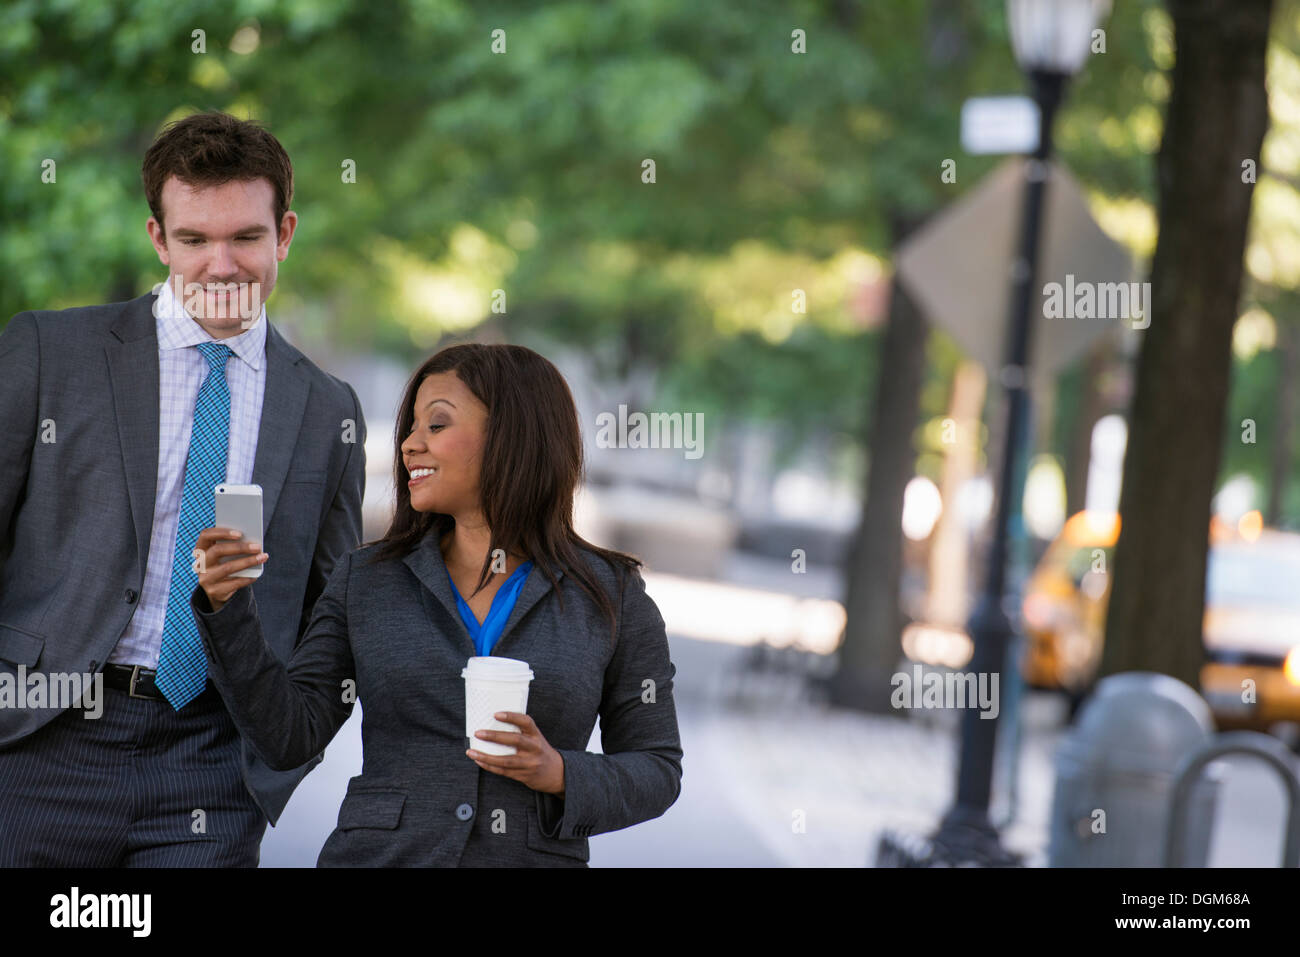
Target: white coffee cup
{"points": [[494, 684]]}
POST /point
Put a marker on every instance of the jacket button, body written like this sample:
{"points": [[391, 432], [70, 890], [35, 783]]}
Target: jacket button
{"points": [[131, 596], [464, 812]]}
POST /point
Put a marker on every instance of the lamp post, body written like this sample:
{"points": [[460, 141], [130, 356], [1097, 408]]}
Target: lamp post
{"points": [[1051, 39]]}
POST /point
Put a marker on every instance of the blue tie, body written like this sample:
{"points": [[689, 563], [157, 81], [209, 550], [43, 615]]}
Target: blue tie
{"points": [[182, 666]]}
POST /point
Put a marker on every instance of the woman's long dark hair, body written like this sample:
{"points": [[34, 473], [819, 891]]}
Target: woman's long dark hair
{"points": [[532, 463]]}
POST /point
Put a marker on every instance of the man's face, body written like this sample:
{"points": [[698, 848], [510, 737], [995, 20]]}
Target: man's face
{"points": [[224, 239]]}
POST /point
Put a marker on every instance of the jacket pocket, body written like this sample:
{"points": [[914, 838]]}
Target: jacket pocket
{"points": [[575, 847], [380, 809], [20, 647], [305, 476]]}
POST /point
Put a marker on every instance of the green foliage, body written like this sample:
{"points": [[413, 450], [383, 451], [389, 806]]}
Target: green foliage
{"points": [[523, 170]]}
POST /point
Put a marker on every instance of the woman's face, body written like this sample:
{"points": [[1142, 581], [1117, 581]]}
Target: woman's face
{"points": [[448, 436]]}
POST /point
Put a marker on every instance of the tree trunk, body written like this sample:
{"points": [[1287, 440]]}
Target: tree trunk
{"points": [[1216, 118], [1280, 472], [868, 657], [123, 286]]}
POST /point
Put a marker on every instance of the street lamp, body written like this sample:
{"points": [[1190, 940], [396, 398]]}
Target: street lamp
{"points": [[1051, 39], [1053, 35]]}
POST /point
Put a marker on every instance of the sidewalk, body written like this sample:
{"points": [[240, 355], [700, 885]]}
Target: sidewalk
{"points": [[848, 776], [779, 756]]}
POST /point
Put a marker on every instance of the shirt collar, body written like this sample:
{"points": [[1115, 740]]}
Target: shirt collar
{"points": [[178, 330]]}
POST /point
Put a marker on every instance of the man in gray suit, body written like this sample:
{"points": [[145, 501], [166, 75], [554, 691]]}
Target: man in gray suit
{"points": [[118, 421]]}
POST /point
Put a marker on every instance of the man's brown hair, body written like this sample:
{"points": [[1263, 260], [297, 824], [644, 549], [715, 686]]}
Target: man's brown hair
{"points": [[209, 149]]}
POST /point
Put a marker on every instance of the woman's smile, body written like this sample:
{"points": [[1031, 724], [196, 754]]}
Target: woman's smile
{"points": [[418, 476]]}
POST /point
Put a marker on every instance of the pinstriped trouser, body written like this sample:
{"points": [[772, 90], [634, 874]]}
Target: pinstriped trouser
{"points": [[121, 790]]}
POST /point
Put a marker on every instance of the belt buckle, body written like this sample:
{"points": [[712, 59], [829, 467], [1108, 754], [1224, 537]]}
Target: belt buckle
{"points": [[135, 674]]}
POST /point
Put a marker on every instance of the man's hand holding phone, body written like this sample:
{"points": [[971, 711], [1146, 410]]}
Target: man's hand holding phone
{"points": [[215, 544]]}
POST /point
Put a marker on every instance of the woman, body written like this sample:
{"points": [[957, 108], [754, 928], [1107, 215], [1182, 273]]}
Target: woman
{"points": [[488, 459]]}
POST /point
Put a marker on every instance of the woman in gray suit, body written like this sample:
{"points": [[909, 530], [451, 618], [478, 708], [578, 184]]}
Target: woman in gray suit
{"points": [[481, 559]]}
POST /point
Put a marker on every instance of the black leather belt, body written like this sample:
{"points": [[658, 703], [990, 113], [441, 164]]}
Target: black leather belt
{"points": [[135, 680]]}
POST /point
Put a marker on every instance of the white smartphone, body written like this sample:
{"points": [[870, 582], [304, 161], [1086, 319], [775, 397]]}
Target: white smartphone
{"points": [[239, 507]]}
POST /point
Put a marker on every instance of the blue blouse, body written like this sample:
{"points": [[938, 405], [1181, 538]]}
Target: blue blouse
{"points": [[503, 602]]}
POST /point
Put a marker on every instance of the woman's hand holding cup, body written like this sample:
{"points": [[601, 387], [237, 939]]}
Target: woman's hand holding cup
{"points": [[535, 763]]}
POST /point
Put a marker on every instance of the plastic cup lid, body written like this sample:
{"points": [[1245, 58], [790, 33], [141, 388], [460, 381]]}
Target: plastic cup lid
{"points": [[493, 668]]}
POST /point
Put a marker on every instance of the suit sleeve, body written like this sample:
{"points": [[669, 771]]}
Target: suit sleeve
{"points": [[341, 531], [638, 777], [287, 714], [20, 362]]}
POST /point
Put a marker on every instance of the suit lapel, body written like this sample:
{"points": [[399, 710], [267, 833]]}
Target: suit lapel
{"points": [[283, 405], [427, 563], [133, 373], [535, 588]]}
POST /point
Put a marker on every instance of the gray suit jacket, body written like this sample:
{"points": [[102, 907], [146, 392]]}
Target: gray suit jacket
{"points": [[76, 513], [393, 629]]}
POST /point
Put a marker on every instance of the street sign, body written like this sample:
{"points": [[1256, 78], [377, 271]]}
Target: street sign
{"points": [[957, 268], [999, 124]]}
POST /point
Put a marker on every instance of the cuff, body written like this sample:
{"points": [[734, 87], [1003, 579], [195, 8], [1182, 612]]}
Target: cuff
{"points": [[562, 817], [220, 630], [238, 604]]}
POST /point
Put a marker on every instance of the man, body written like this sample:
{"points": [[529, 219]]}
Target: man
{"points": [[118, 421]]}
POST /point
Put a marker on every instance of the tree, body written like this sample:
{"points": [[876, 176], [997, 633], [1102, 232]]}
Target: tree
{"points": [[869, 654], [962, 50], [1215, 122]]}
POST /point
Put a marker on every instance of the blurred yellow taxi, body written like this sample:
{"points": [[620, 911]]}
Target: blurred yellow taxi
{"points": [[1251, 677]]}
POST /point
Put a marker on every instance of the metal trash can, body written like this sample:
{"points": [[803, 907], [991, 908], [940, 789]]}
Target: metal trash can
{"points": [[1122, 758]]}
